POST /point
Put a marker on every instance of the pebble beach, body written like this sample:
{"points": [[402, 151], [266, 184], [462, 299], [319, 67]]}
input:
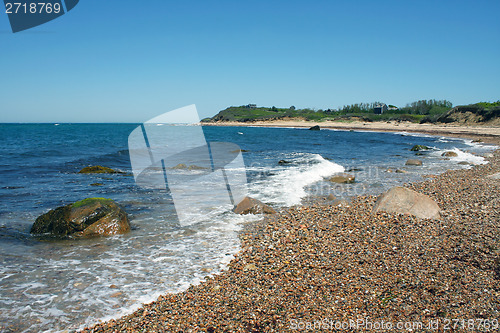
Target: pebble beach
{"points": [[325, 267]]}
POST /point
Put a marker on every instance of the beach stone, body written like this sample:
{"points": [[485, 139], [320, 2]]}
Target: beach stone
{"points": [[419, 148], [331, 197], [464, 163], [494, 176], [98, 169], [401, 171], [449, 154], [488, 155], [401, 200], [314, 128], [342, 177], [414, 162], [86, 218], [252, 206]]}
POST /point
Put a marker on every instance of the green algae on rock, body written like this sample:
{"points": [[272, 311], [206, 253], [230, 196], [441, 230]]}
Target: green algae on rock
{"points": [[98, 169], [85, 218]]}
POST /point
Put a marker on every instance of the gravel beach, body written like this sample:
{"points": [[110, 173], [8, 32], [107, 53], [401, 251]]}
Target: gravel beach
{"points": [[324, 267]]}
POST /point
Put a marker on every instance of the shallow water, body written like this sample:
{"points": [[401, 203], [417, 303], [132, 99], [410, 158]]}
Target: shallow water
{"points": [[58, 285]]}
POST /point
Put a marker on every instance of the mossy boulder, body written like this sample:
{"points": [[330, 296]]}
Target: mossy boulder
{"points": [[419, 148], [98, 169], [86, 218]]}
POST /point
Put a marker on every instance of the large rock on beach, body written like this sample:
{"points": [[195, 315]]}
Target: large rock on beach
{"points": [[342, 178], [252, 206], [414, 162], [314, 128], [98, 169], [85, 218], [401, 200]]}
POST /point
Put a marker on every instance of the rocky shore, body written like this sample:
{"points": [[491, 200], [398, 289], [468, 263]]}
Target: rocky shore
{"points": [[315, 267]]}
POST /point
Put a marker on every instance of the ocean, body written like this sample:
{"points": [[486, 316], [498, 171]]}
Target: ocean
{"points": [[68, 284]]}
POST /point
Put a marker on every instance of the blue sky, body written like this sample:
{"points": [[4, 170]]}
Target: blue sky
{"points": [[128, 61]]}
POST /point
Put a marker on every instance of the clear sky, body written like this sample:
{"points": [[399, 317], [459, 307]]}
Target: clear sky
{"points": [[131, 60]]}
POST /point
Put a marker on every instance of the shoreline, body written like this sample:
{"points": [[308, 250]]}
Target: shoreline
{"points": [[488, 134], [265, 288]]}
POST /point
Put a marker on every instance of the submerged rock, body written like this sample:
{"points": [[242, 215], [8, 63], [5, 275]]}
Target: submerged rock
{"points": [[449, 154], [98, 169], [414, 162], [401, 200], [283, 162], [342, 177], [419, 148], [252, 206], [85, 218], [314, 128]]}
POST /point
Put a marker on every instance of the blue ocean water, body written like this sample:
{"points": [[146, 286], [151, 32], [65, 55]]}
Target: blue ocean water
{"points": [[58, 285]]}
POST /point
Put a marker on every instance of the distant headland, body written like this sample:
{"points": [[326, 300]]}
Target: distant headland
{"points": [[423, 111]]}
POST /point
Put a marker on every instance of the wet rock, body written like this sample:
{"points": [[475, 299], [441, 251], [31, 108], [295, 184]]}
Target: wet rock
{"points": [[342, 178], [414, 162], [464, 163], [401, 200], [252, 206], [488, 155], [283, 162], [85, 218], [96, 184], [354, 170], [449, 154], [401, 171], [314, 128], [419, 148], [98, 169]]}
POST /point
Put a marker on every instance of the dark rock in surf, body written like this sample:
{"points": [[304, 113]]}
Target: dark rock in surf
{"points": [[85, 218], [449, 154], [314, 128], [419, 148]]}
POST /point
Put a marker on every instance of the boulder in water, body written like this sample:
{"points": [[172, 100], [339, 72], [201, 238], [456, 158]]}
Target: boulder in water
{"points": [[342, 177], [414, 162], [314, 128], [85, 218], [449, 154], [419, 148], [98, 169]]}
